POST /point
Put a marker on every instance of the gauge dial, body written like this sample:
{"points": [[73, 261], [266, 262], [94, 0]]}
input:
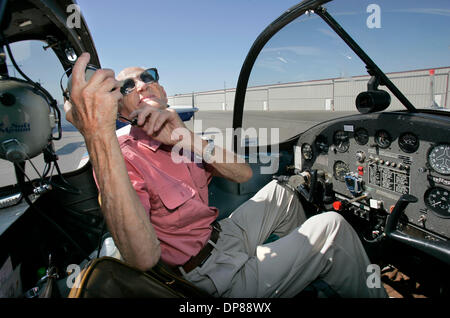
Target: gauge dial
{"points": [[438, 200], [340, 170], [439, 159], [361, 136], [383, 139], [307, 151], [321, 143], [408, 142], [341, 141]]}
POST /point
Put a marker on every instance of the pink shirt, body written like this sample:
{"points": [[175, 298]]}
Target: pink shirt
{"points": [[175, 196]]}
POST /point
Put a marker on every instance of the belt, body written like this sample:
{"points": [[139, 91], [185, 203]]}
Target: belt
{"points": [[205, 252]]}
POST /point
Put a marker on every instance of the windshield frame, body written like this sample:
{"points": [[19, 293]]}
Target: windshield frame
{"points": [[371, 67], [273, 28], [314, 6]]}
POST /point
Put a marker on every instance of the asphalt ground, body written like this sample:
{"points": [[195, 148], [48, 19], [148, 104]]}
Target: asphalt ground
{"points": [[71, 148], [288, 123]]}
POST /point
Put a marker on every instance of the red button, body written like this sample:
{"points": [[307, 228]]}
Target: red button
{"points": [[361, 170], [337, 205]]}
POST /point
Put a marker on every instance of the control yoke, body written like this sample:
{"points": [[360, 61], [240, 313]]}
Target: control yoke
{"points": [[438, 249]]}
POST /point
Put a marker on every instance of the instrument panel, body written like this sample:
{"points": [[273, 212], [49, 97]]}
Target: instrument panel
{"points": [[382, 156]]}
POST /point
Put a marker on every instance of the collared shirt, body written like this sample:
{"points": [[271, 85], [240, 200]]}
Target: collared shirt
{"points": [[175, 195]]}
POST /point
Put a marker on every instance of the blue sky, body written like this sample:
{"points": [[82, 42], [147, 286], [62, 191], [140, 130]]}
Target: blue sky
{"points": [[195, 44], [412, 35], [200, 45]]}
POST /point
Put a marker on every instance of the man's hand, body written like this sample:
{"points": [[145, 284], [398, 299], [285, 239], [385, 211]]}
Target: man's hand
{"points": [[93, 105], [163, 125]]}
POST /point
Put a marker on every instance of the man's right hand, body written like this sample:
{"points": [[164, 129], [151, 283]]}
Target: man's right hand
{"points": [[163, 125], [92, 108]]}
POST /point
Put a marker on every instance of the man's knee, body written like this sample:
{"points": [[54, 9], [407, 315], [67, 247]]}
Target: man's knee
{"points": [[327, 221], [331, 217], [269, 190], [272, 185]]}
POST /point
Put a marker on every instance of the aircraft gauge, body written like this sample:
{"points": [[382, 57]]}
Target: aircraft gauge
{"points": [[383, 139], [361, 136], [437, 199], [408, 142], [307, 151], [321, 143], [340, 170], [439, 159], [341, 141]]}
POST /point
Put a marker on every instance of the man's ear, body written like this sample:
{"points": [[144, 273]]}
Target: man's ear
{"points": [[119, 109], [163, 94], [120, 105]]}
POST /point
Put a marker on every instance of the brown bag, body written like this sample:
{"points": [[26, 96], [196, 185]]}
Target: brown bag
{"points": [[108, 277]]}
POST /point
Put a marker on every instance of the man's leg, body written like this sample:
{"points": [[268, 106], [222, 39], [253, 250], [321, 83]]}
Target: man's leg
{"points": [[274, 209], [324, 247]]}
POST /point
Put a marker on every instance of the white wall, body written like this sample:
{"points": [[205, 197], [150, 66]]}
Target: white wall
{"points": [[340, 93]]}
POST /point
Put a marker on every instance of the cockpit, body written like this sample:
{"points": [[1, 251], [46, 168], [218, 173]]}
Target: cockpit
{"points": [[346, 102]]}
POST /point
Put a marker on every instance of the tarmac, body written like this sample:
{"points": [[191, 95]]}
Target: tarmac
{"points": [[71, 148]]}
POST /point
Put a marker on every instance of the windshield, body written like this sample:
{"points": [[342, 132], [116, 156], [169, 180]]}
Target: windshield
{"points": [[306, 73]]}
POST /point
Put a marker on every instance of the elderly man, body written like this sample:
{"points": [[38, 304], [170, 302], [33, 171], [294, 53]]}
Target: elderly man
{"points": [[157, 208]]}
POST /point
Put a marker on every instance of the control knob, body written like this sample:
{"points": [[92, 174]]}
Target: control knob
{"points": [[360, 156]]}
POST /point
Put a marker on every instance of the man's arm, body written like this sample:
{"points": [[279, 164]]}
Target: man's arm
{"points": [[223, 163], [166, 126], [126, 218], [93, 111]]}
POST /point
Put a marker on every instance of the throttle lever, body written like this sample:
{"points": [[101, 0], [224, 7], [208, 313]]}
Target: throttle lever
{"points": [[309, 194]]}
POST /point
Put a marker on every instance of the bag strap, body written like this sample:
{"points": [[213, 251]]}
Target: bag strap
{"points": [[178, 282]]}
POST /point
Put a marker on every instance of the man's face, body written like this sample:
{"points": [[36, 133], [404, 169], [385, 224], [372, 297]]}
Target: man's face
{"points": [[143, 94]]}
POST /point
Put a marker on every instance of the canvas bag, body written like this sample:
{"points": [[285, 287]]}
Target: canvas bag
{"points": [[108, 277]]}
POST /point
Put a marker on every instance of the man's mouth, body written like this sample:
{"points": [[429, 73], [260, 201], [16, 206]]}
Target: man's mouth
{"points": [[147, 98]]}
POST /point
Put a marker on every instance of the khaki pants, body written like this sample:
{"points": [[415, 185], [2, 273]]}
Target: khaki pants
{"points": [[325, 246]]}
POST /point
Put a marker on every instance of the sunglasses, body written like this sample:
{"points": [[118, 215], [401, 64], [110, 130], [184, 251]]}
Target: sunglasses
{"points": [[148, 76]]}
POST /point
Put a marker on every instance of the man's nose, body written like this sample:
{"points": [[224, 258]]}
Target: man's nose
{"points": [[140, 85]]}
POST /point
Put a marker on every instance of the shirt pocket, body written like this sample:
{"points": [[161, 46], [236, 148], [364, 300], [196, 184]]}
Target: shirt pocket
{"points": [[175, 195]]}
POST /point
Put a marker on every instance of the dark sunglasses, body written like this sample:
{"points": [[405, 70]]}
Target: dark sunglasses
{"points": [[148, 76]]}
